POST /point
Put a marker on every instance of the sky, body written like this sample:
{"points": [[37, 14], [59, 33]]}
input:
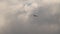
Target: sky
{"points": [[29, 16]]}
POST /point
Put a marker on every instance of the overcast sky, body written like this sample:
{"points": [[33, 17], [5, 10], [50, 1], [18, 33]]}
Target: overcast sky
{"points": [[29, 16]]}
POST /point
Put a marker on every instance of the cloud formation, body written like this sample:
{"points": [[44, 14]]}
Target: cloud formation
{"points": [[17, 17]]}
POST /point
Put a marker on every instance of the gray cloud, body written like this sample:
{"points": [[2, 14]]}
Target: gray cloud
{"points": [[17, 17]]}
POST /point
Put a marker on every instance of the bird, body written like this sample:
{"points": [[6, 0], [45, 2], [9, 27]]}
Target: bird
{"points": [[35, 15]]}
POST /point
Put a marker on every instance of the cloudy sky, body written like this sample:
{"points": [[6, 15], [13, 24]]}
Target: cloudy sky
{"points": [[29, 16]]}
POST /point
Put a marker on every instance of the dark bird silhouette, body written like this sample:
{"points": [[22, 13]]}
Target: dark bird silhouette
{"points": [[35, 15]]}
